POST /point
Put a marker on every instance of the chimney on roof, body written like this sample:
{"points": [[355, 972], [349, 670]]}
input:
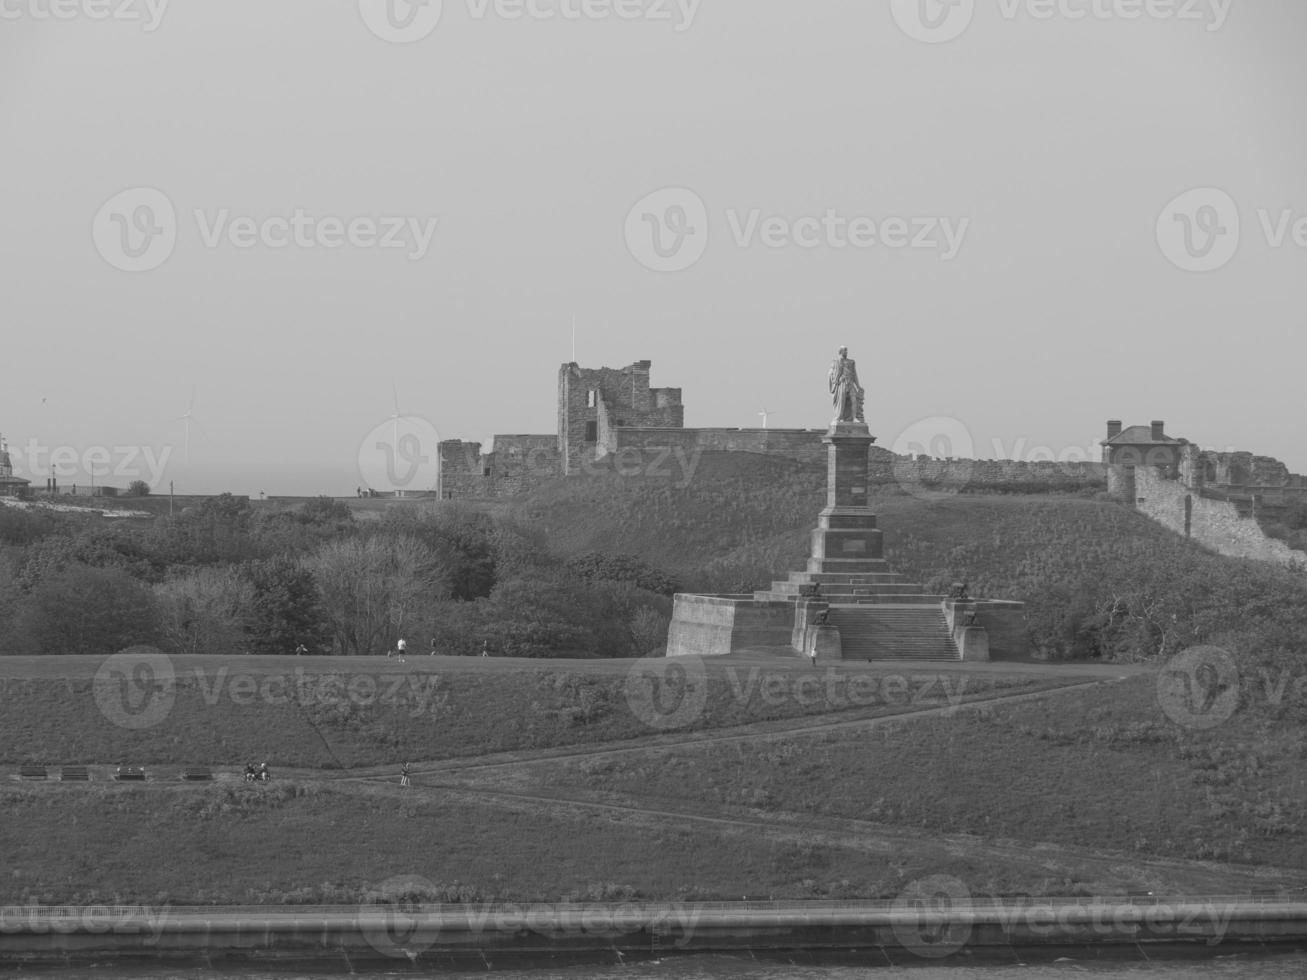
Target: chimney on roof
{"points": [[1113, 428], [1157, 431]]}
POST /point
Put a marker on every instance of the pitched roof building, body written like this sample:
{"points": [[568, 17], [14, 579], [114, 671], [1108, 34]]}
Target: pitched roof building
{"points": [[1142, 445]]}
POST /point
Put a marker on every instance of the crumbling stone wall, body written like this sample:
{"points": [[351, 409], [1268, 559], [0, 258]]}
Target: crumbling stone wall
{"points": [[1215, 524], [592, 401]]}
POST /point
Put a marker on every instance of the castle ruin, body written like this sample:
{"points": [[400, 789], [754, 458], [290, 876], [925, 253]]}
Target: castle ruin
{"points": [[603, 414]]}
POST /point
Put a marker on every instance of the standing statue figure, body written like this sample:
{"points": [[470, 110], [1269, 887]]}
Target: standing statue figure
{"points": [[845, 390]]}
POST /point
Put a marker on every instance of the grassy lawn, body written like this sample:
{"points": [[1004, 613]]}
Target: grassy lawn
{"points": [[1101, 768], [341, 844], [342, 713], [302, 843]]}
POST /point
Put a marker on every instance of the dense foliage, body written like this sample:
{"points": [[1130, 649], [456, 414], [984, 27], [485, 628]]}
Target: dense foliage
{"points": [[587, 568], [226, 576]]}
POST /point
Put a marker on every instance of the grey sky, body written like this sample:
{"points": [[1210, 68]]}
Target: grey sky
{"points": [[1053, 144]]}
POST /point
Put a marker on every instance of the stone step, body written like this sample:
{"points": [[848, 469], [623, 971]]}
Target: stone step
{"points": [[893, 632], [857, 578], [836, 599], [851, 588]]}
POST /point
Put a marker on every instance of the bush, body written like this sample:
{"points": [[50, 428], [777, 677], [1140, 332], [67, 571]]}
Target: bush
{"points": [[138, 488]]}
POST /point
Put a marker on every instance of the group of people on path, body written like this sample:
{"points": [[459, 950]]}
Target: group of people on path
{"points": [[401, 649], [260, 775]]}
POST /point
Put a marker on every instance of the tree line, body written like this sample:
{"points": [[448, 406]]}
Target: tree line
{"points": [[223, 577]]}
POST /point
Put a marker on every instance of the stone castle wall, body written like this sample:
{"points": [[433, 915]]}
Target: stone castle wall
{"points": [[802, 445], [519, 464], [592, 401], [610, 419], [1215, 524]]}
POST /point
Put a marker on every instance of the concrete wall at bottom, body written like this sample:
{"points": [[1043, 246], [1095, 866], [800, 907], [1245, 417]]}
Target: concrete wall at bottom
{"points": [[717, 625]]}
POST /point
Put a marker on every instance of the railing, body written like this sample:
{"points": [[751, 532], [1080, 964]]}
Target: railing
{"points": [[652, 908]]}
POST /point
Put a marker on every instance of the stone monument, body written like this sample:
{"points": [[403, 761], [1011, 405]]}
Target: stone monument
{"points": [[848, 604]]}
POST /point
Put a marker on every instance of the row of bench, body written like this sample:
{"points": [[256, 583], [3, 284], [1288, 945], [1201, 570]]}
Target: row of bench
{"points": [[122, 773]]}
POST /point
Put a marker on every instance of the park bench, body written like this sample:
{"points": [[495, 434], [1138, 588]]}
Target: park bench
{"points": [[195, 774], [32, 772], [130, 774], [74, 774]]}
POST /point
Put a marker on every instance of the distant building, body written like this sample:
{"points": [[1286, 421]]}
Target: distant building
{"points": [[606, 416], [10, 485], [1142, 445]]}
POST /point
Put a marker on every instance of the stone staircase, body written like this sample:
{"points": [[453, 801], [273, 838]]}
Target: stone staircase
{"points": [[886, 631], [844, 587]]}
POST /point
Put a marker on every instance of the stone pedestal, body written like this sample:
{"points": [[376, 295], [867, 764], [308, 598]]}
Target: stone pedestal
{"points": [[826, 644], [973, 644], [846, 538]]}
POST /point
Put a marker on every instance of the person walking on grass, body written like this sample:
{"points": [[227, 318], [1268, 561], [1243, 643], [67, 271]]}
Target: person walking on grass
{"points": [[402, 648], [403, 775]]}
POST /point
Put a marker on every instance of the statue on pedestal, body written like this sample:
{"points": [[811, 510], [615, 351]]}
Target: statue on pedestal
{"points": [[846, 392]]}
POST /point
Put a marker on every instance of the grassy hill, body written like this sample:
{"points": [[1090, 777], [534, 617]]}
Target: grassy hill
{"points": [[1099, 579], [1099, 769]]}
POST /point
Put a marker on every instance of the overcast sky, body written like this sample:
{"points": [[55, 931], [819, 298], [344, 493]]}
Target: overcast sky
{"points": [[983, 202]]}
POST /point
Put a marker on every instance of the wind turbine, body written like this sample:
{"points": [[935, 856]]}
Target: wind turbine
{"points": [[763, 415], [187, 419], [394, 420]]}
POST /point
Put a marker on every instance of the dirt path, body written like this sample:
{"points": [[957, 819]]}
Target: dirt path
{"points": [[757, 731]]}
